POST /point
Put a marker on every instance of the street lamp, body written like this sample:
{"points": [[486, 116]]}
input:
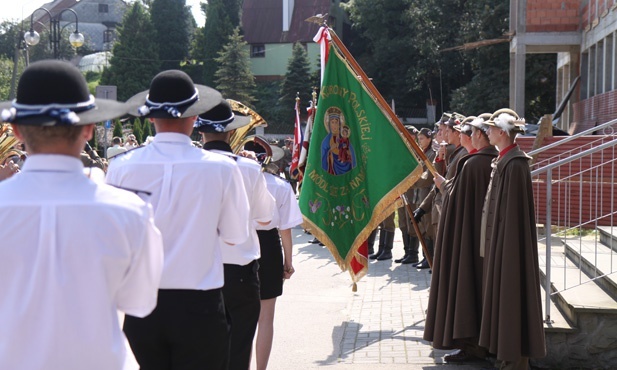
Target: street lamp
{"points": [[32, 37]]}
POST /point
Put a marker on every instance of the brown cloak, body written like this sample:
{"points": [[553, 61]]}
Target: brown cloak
{"points": [[511, 311], [454, 308]]}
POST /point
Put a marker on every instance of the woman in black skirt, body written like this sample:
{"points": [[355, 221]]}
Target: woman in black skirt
{"points": [[275, 264]]}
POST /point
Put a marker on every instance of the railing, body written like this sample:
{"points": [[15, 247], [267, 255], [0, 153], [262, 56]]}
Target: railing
{"points": [[574, 194]]}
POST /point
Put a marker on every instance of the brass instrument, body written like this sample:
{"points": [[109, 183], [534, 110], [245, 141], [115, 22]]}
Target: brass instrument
{"points": [[7, 141], [258, 140], [237, 137]]}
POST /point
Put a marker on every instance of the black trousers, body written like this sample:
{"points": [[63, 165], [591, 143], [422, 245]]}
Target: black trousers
{"points": [[242, 302], [187, 330]]}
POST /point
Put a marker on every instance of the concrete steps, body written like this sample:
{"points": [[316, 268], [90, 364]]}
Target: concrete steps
{"points": [[584, 291]]}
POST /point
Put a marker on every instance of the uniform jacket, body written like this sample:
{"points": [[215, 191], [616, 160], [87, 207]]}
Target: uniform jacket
{"points": [[454, 308], [511, 310]]}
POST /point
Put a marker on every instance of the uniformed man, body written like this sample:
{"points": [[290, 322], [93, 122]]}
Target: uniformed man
{"points": [[452, 137], [455, 300], [241, 290], [74, 252], [511, 326], [201, 207]]}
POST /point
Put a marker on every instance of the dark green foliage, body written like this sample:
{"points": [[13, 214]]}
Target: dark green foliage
{"points": [[297, 81], [117, 129], [134, 60], [146, 127], [540, 82], [138, 130], [171, 22], [222, 16], [10, 35], [267, 106], [234, 78], [400, 45]]}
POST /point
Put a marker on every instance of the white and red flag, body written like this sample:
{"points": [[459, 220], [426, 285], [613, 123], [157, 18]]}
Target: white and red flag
{"points": [[295, 154]]}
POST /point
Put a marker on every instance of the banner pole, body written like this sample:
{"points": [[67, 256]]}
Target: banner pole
{"points": [[428, 256], [364, 79]]}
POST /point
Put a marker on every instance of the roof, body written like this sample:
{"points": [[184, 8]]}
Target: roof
{"points": [[262, 21]]}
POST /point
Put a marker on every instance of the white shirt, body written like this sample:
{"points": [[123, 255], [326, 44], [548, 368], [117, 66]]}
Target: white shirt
{"points": [[197, 196], [114, 151], [287, 213], [73, 252], [261, 204]]}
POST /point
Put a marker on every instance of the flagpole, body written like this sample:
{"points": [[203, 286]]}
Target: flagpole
{"points": [[381, 101], [427, 254]]}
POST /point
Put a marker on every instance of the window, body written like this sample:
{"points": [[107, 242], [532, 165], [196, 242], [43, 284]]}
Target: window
{"points": [[258, 51], [103, 8]]}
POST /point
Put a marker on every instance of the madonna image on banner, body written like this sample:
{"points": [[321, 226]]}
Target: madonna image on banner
{"points": [[337, 153]]}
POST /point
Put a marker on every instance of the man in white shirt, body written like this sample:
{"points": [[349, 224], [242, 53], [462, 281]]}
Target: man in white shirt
{"points": [[201, 208], [116, 149], [241, 290], [73, 251]]}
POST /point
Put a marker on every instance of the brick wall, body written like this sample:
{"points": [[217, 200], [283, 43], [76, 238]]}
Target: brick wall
{"points": [[594, 111], [553, 15]]}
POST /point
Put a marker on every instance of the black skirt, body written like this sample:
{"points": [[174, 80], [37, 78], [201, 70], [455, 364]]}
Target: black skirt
{"points": [[270, 264]]}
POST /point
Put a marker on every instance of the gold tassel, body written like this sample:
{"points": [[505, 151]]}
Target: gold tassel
{"points": [[354, 288]]}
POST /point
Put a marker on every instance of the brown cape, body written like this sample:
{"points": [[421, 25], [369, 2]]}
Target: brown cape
{"points": [[511, 311], [456, 286]]}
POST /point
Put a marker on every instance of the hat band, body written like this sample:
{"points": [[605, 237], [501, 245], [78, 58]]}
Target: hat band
{"points": [[218, 126], [64, 113], [171, 108]]}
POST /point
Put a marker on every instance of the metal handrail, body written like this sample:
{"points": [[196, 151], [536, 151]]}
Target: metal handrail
{"points": [[548, 169], [561, 162], [570, 138]]}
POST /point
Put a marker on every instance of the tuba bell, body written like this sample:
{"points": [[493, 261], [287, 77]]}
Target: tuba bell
{"points": [[237, 137], [7, 141]]}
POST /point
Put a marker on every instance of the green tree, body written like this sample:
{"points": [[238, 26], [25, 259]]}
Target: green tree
{"points": [[134, 61], [234, 78], [172, 22], [6, 73], [222, 17], [117, 128], [138, 130], [297, 81], [146, 126]]}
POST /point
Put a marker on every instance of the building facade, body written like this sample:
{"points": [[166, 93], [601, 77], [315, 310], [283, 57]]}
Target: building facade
{"points": [[271, 27], [582, 34]]}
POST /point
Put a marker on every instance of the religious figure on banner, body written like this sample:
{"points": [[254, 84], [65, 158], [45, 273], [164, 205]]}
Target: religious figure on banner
{"points": [[337, 153]]}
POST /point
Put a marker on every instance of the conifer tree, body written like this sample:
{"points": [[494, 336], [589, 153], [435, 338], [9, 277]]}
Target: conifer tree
{"points": [[297, 80], [138, 130], [146, 127], [117, 129], [234, 78], [222, 17], [135, 54], [171, 18]]}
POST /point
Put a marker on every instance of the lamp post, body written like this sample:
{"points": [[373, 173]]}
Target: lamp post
{"points": [[32, 37]]}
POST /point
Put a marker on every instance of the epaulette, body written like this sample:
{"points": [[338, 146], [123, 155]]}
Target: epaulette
{"points": [[140, 193], [126, 152]]}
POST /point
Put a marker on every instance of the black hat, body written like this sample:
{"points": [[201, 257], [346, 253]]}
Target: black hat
{"points": [[411, 129], [173, 94], [221, 118], [260, 145], [53, 92], [426, 132]]}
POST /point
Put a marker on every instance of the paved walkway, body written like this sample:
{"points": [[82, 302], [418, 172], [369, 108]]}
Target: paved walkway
{"points": [[321, 322]]}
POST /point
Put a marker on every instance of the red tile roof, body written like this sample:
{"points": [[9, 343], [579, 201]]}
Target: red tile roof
{"points": [[262, 21]]}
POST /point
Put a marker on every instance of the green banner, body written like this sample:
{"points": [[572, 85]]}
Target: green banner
{"points": [[358, 164]]}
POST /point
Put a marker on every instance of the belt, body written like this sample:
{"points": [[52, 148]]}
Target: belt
{"points": [[248, 269]]}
